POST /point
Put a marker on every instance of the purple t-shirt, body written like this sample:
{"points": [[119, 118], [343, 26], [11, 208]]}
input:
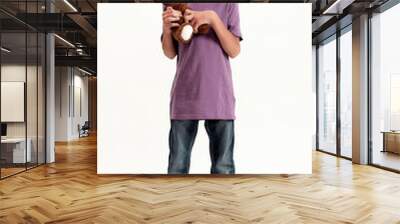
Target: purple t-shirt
{"points": [[202, 87]]}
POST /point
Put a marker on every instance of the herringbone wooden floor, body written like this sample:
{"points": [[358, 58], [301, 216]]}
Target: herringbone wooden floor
{"points": [[69, 191]]}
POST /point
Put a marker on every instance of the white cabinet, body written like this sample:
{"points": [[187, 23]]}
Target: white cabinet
{"points": [[19, 155]]}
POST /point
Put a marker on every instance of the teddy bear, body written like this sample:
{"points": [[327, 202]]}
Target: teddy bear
{"points": [[184, 32]]}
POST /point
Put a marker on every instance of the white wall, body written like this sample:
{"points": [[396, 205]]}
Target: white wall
{"points": [[273, 85], [62, 81], [12, 101], [68, 81], [33, 127], [80, 84], [17, 72]]}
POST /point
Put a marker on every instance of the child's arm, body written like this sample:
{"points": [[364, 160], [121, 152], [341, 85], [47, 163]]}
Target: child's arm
{"points": [[168, 45], [229, 42], [169, 18]]}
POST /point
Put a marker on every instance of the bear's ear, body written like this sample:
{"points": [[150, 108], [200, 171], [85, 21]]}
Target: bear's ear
{"points": [[183, 7], [165, 5], [180, 7], [177, 6]]}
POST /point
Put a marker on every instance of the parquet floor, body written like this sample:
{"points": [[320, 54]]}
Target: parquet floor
{"points": [[69, 191]]}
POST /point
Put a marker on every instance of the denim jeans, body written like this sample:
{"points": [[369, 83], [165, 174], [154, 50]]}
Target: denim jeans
{"points": [[182, 136]]}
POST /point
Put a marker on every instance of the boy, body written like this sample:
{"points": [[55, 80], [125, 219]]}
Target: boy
{"points": [[202, 88]]}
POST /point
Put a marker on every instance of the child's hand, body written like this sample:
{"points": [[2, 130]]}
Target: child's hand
{"points": [[198, 18], [170, 18]]}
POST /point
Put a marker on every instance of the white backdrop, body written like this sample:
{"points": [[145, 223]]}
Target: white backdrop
{"points": [[272, 81]]}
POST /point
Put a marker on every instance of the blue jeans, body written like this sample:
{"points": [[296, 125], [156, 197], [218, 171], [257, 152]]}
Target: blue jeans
{"points": [[181, 139]]}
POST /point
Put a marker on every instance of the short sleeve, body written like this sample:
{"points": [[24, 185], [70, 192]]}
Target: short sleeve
{"points": [[234, 20]]}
